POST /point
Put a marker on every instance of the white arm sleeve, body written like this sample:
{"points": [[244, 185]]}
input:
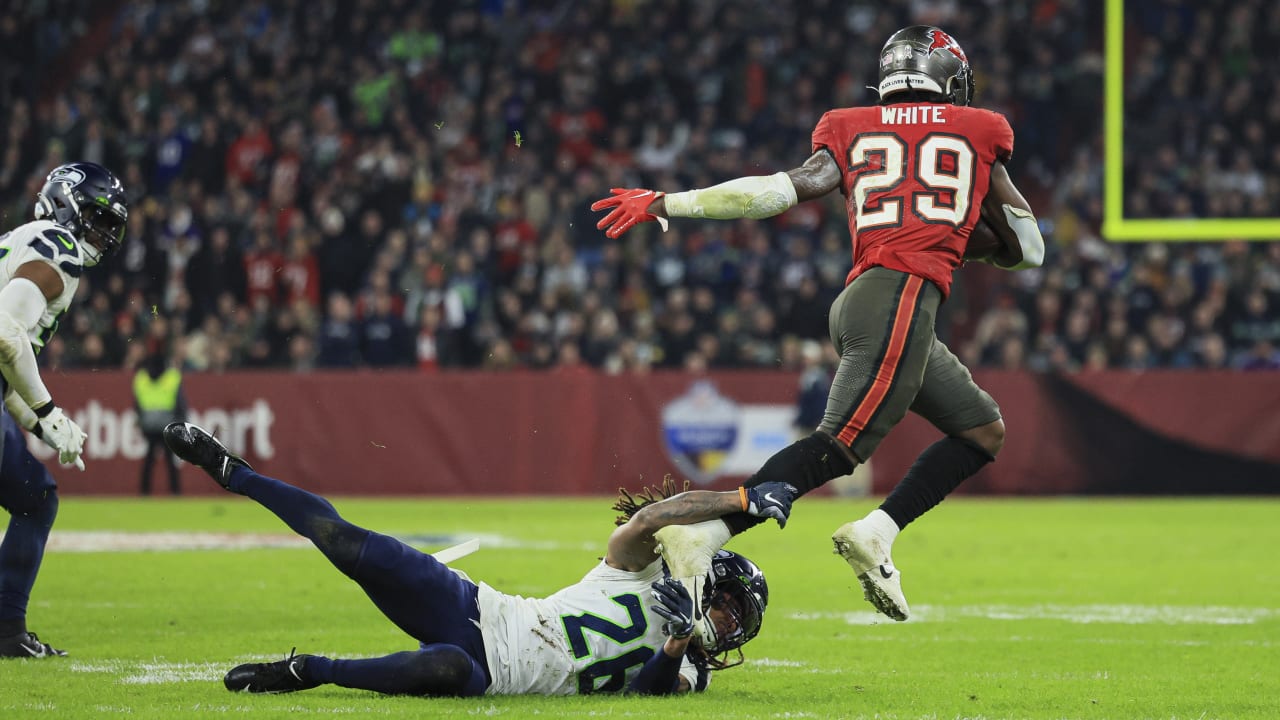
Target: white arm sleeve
{"points": [[21, 305], [755, 197], [1028, 231], [18, 410]]}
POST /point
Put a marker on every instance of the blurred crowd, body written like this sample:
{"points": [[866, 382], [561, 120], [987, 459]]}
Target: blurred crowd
{"points": [[324, 183], [1202, 102]]}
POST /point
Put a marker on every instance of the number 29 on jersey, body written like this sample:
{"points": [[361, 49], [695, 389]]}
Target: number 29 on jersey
{"points": [[934, 179]]}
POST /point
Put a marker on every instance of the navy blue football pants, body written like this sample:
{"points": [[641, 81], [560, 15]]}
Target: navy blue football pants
{"points": [[28, 493], [423, 597]]}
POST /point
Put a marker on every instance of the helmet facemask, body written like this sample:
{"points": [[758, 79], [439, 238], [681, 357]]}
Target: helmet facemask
{"points": [[736, 620], [960, 87], [103, 229], [733, 605]]}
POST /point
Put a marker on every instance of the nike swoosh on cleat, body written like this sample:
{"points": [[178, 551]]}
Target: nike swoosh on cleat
{"points": [[33, 652], [886, 571], [294, 672]]}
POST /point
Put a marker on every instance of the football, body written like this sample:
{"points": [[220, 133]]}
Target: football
{"points": [[983, 242]]}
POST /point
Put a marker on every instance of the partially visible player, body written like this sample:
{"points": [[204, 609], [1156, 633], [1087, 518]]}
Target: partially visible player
{"points": [[923, 175], [598, 635], [81, 214]]}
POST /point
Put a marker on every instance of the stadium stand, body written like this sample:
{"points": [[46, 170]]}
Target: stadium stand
{"points": [[394, 183]]}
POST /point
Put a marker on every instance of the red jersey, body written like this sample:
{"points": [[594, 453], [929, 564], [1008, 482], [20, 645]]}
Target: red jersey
{"points": [[915, 176]]}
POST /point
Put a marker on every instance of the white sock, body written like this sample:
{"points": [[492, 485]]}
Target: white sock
{"points": [[689, 557], [883, 525], [717, 533], [692, 545]]}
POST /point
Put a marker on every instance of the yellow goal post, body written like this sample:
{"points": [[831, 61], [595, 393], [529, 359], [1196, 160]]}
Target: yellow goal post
{"points": [[1115, 226]]}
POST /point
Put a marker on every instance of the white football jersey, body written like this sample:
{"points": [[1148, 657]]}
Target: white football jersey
{"points": [[54, 245], [593, 636]]}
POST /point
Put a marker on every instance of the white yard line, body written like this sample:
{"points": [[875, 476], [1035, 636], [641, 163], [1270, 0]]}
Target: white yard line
{"points": [[775, 662], [93, 541], [1081, 614], [153, 672]]}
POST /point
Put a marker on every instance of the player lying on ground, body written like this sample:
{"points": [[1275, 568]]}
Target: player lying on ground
{"points": [[594, 636], [924, 179]]}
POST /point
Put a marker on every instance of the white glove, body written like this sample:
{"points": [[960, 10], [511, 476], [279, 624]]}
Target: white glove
{"points": [[62, 434]]}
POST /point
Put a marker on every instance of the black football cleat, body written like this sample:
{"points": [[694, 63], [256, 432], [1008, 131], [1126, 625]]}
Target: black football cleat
{"points": [[281, 676], [199, 448], [27, 645]]}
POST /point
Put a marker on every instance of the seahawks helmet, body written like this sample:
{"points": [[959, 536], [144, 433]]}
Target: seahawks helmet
{"points": [[88, 200], [736, 587], [925, 59]]}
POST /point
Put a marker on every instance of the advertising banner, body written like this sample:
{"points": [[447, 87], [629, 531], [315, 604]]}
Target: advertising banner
{"points": [[527, 433]]}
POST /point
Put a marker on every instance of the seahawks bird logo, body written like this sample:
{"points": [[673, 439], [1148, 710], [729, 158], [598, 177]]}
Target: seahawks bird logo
{"points": [[70, 175]]}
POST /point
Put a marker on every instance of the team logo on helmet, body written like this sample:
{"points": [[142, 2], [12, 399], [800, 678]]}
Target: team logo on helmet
{"points": [[66, 174], [942, 41]]}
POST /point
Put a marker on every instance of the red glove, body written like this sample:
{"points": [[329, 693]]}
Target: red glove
{"points": [[630, 208]]}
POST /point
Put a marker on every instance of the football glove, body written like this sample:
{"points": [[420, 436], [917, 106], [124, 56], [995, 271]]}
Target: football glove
{"points": [[675, 605], [62, 434], [769, 500], [630, 208]]}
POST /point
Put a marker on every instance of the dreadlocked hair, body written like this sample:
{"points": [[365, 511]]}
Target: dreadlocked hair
{"points": [[629, 504]]}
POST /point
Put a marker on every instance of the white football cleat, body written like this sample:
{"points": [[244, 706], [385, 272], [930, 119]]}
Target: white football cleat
{"points": [[867, 552], [687, 550]]}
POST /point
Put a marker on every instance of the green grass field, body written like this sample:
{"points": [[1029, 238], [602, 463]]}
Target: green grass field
{"points": [[1024, 609]]}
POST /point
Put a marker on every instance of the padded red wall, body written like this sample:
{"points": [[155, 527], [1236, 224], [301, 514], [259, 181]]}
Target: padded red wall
{"points": [[547, 433]]}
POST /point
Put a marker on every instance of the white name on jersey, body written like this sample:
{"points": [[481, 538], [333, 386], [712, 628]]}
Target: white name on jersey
{"points": [[911, 115]]}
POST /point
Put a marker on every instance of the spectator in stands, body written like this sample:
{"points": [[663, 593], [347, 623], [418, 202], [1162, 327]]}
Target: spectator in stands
{"points": [[384, 339], [339, 336], [815, 384], [375, 139]]}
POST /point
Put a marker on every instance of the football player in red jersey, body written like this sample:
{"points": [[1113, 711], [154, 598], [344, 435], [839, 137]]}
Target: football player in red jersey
{"points": [[923, 175]]}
